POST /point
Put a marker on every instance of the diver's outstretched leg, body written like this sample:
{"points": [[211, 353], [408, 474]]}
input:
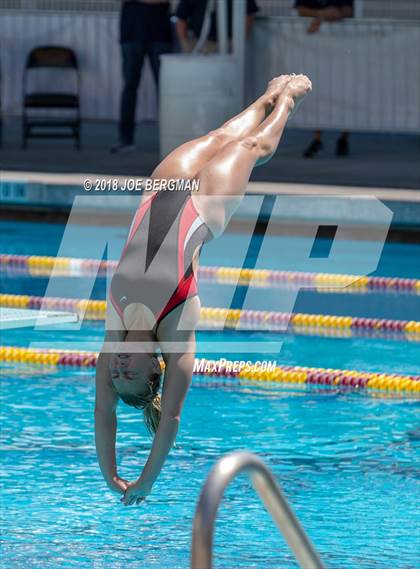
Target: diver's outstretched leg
{"points": [[189, 158], [224, 179]]}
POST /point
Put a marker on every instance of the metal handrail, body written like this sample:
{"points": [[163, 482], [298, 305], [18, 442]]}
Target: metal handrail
{"points": [[274, 500]]}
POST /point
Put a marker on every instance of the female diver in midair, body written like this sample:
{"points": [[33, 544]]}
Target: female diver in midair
{"points": [[153, 300]]}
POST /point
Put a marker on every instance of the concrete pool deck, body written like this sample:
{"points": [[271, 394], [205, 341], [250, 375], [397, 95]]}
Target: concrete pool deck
{"points": [[50, 173], [377, 159], [60, 194]]}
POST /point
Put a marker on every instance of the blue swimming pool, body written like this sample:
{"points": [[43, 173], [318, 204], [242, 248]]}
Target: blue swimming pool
{"points": [[348, 465], [377, 354], [348, 462]]}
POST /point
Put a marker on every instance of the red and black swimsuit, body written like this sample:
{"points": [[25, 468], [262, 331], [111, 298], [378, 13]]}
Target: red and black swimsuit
{"points": [[155, 268]]}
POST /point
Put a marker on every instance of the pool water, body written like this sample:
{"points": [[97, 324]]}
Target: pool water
{"points": [[373, 354], [348, 462]]}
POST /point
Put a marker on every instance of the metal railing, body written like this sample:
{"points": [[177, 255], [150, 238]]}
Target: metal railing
{"points": [[273, 498]]}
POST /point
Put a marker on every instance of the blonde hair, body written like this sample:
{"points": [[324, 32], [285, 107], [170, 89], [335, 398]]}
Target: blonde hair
{"points": [[149, 402], [152, 412]]}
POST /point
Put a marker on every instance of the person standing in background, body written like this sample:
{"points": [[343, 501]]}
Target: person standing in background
{"points": [[190, 18], [144, 31], [325, 11]]}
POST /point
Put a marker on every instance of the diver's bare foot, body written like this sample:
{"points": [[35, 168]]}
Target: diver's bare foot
{"points": [[275, 87], [297, 88]]}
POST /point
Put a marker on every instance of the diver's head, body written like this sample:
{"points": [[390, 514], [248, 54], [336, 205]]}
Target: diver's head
{"points": [[136, 379]]}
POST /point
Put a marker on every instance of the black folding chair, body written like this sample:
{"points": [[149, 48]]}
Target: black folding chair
{"points": [[34, 125]]}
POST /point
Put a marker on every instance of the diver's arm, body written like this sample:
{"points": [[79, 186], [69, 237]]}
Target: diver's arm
{"points": [[178, 374], [175, 332], [106, 425]]}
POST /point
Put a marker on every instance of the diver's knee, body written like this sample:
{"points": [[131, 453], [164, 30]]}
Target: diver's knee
{"points": [[261, 146], [250, 143], [220, 136]]}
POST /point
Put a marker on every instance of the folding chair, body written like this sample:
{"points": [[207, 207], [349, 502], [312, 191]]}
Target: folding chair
{"points": [[34, 125]]}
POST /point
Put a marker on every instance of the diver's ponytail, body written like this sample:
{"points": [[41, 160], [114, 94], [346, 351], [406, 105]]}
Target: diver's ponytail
{"points": [[152, 413]]}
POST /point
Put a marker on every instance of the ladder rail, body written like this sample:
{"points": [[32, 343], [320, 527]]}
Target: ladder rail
{"points": [[224, 471]]}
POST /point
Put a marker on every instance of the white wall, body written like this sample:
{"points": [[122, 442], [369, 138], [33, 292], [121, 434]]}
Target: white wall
{"points": [[93, 36], [365, 73]]}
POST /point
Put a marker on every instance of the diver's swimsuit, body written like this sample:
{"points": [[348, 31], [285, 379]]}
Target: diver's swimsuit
{"points": [[155, 268]]}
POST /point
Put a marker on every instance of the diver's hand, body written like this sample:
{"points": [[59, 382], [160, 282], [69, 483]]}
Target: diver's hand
{"points": [[136, 493], [117, 484]]}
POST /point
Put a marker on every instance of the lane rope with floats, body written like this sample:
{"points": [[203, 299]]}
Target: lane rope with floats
{"points": [[235, 371], [324, 324], [36, 265]]}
